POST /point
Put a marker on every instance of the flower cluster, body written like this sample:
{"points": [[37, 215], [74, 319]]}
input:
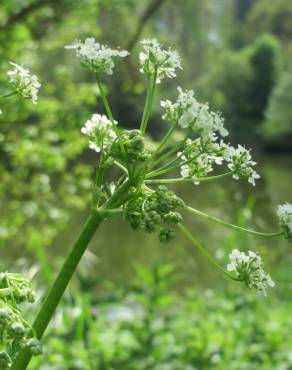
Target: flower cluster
{"points": [[284, 213], [97, 57], [155, 211], [15, 332], [100, 131], [195, 116], [199, 157], [155, 60], [24, 83], [249, 268], [241, 164]]}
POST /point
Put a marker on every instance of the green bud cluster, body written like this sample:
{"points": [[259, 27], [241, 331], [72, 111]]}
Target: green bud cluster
{"points": [[15, 332], [134, 146], [152, 212]]}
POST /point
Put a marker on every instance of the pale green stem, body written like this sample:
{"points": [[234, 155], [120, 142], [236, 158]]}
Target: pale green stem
{"points": [[109, 113], [202, 250], [168, 154], [8, 95], [164, 140], [229, 225], [148, 103], [182, 180], [123, 168]]}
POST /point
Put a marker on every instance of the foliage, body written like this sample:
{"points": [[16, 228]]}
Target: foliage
{"points": [[150, 325], [278, 123]]}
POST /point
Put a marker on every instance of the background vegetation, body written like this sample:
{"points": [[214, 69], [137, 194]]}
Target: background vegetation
{"points": [[236, 55]]}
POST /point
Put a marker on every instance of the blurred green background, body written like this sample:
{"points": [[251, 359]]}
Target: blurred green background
{"points": [[135, 304]]}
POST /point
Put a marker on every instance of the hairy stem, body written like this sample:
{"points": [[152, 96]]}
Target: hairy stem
{"points": [[54, 296], [229, 225]]}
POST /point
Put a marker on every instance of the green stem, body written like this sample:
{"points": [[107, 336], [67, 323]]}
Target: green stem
{"points": [[123, 168], [230, 226], [53, 298], [8, 95], [164, 140], [148, 103], [109, 113], [182, 180], [167, 154], [202, 250]]}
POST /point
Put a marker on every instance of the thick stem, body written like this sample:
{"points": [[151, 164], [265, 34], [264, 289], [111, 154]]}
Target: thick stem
{"points": [[53, 298]]}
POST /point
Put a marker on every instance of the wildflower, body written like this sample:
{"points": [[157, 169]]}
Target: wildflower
{"points": [[97, 57], [100, 132], [240, 162], [198, 117], [249, 268], [199, 157], [24, 83], [153, 59], [284, 213]]}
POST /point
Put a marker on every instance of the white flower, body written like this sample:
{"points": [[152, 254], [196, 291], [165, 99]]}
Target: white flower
{"points": [[249, 268], [240, 162], [100, 132], [198, 117], [284, 214], [95, 56], [154, 58], [24, 83], [198, 158]]}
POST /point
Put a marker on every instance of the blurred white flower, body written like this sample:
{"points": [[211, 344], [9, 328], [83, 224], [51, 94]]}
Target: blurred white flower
{"points": [[284, 214], [249, 268], [100, 132], [95, 56], [155, 58], [24, 83]]}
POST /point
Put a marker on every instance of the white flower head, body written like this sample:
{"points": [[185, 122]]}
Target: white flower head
{"points": [[95, 56], [240, 162], [284, 214], [195, 116], [100, 132], [24, 83], [199, 157], [249, 268], [155, 58]]}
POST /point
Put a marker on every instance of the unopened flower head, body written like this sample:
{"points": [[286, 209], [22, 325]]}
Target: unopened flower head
{"points": [[154, 59], [15, 331], [240, 162], [249, 268], [24, 83], [97, 57], [100, 132], [284, 213]]}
